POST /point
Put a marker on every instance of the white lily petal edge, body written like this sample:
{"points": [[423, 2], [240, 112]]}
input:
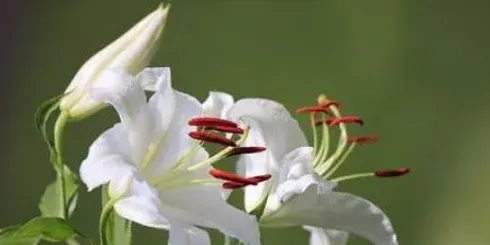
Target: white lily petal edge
{"points": [[146, 157]]}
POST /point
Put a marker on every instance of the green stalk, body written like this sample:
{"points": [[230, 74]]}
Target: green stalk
{"points": [[59, 128]]}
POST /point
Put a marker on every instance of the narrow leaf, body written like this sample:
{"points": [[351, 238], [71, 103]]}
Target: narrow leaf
{"points": [[43, 113], [46, 228]]}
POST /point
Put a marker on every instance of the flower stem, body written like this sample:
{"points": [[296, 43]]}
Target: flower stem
{"points": [[227, 240], [59, 128]]}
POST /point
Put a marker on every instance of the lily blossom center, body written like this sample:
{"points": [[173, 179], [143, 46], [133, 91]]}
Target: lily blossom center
{"points": [[326, 115]]}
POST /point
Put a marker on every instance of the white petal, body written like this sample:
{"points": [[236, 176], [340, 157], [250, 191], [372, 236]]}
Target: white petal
{"points": [[296, 164], [187, 236], [273, 127], [218, 104], [150, 77], [204, 206], [175, 141], [309, 203], [107, 159], [320, 236], [128, 98], [141, 203], [163, 102]]}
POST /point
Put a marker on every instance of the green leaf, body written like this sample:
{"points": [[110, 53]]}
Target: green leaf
{"points": [[50, 229], [50, 201], [117, 230], [43, 113]]}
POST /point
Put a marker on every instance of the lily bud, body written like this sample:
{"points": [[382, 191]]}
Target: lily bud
{"points": [[131, 52]]}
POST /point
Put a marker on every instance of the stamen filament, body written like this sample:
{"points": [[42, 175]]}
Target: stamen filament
{"points": [[353, 176], [315, 136], [337, 164], [325, 163]]}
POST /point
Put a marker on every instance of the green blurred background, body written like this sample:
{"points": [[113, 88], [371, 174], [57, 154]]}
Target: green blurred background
{"points": [[416, 70]]}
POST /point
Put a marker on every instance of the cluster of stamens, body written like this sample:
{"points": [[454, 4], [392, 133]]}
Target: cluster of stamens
{"points": [[222, 132], [326, 114]]}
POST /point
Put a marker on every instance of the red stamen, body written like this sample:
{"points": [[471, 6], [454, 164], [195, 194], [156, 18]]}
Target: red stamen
{"points": [[233, 185], [220, 174], [260, 178], [210, 137], [327, 121], [383, 173], [257, 179], [312, 109], [226, 129], [363, 139], [347, 119], [211, 122], [245, 150]]}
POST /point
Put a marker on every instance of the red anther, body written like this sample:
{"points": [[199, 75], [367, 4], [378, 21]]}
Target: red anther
{"points": [[347, 119], [383, 173], [211, 122], [260, 178], [220, 174], [210, 137], [363, 139], [330, 103], [245, 150], [233, 185], [226, 129], [327, 121], [312, 109]]}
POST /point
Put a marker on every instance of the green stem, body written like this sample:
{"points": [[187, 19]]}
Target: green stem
{"points": [[59, 128], [106, 211]]}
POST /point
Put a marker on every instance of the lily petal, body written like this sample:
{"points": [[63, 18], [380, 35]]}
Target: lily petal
{"points": [[320, 236], [187, 236], [271, 125], [176, 140], [107, 159], [218, 104], [141, 203], [307, 201], [204, 206], [148, 78], [128, 98]]}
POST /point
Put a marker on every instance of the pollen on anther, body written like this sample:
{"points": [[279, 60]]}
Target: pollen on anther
{"points": [[211, 122], [313, 109], [383, 173], [226, 129], [233, 185], [346, 119], [222, 175], [363, 139], [211, 137], [245, 150]]}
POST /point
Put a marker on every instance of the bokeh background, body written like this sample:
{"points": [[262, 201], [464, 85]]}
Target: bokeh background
{"points": [[417, 71]]}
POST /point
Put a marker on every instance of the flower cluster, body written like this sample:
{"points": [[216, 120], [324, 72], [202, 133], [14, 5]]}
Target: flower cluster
{"points": [[157, 171]]}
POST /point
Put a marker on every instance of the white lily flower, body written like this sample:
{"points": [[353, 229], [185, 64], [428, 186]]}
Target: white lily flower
{"points": [[131, 52], [165, 177], [301, 190]]}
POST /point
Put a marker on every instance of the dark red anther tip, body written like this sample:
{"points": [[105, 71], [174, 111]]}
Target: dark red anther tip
{"points": [[260, 178], [347, 119], [226, 129], [313, 109], [245, 150], [211, 122], [233, 185], [363, 139], [386, 173], [211, 137], [222, 175]]}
